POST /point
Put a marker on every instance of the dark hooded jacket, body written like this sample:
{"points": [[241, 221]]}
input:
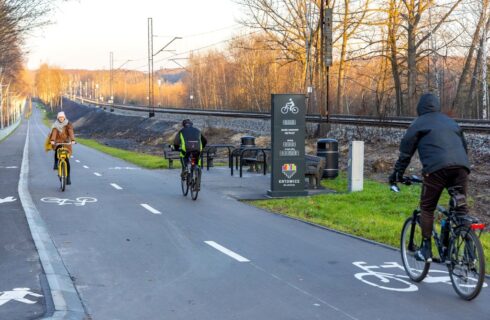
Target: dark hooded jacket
{"points": [[189, 139], [437, 138]]}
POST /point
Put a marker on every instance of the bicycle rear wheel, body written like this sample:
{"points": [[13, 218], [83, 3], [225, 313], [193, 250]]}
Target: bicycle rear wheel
{"points": [[196, 182], [63, 171], [410, 242], [184, 183], [467, 267]]}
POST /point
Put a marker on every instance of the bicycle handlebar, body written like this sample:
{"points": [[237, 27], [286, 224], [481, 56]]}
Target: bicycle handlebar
{"points": [[64, 144], [406, 181]]}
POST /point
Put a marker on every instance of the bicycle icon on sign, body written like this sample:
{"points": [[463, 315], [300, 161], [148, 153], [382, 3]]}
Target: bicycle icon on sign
{"points": [[290, 107]]}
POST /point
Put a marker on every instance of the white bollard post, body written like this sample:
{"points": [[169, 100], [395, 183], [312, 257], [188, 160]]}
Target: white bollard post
{"points": [[356, 166]]}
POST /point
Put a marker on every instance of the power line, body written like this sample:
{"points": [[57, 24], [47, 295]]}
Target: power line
{"points": [[234, 26]]}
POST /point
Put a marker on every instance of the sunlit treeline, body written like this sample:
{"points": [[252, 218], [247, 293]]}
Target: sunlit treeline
{"points": [[386, 53], [17, 19]]}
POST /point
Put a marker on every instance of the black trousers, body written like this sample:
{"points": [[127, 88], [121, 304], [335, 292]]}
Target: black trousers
{"points": [[56, 160], [434, 184]]}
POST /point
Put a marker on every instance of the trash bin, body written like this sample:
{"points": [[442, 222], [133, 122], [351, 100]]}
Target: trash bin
{"points": [[247, 142], [329, 149]]}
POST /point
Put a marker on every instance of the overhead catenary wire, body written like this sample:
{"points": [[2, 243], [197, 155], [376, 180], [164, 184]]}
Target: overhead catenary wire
{"points": [[180, 54]]}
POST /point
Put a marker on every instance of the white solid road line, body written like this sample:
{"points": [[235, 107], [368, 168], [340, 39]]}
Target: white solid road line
{"points": [[228, 252], [67, 304], [86, 167], [115, 186], [149, 208], [97, 174]]}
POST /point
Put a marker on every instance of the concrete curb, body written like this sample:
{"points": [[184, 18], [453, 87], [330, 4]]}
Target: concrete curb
{"points": [[67, 303], [5, 132]]}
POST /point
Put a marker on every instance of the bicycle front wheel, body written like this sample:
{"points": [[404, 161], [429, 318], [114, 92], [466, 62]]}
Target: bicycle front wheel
{"points": [[410, 242], [184, 183], [196, 182], [63, 171], [467, 267]]}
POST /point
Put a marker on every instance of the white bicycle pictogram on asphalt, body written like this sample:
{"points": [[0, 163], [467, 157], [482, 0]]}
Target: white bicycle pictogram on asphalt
{"points": [[384, 280], [80, 201], [290, 107], [397, 282], [8, 199], [18, 294]]}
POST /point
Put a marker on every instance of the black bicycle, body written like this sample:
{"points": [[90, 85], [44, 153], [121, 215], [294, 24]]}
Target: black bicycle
{"points": [[458, 244], [191, 176]]}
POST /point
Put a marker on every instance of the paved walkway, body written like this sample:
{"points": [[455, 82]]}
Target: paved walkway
{"points": [[21, 275]]}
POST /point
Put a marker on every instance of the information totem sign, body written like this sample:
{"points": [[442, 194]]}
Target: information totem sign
{"points": [[288, 145]]}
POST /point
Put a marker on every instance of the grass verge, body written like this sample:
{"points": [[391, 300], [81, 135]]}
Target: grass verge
{"points": [[375, 213], [140, 159]]}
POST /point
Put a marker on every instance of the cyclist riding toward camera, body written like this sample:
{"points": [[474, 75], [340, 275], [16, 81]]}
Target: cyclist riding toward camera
{"points": [[444, 155], [62, 132], [189, 141]]}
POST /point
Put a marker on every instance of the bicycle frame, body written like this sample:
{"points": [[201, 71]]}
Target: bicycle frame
{"points": [[62, 154], [454, 225]]}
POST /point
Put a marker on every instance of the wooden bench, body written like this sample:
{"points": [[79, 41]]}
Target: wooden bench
{"points": [[170, 154], [314, 170]]}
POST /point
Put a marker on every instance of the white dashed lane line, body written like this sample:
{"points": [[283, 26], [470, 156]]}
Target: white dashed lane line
{"points": [[77, 161], [115, 186], [226, 251], [97, 174], [86, 167], [149, 208]]}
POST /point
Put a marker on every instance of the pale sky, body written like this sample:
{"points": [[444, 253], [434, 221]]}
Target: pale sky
{"points": [[85, 31]]}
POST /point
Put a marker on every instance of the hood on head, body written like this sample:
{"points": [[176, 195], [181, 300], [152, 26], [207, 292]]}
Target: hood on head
{"points": [[428, 103]]}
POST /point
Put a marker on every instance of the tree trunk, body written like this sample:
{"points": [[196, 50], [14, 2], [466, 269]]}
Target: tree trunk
{"points": [[458, 102], [393, 23], [412, 69], [343, 52], [484, 113]]}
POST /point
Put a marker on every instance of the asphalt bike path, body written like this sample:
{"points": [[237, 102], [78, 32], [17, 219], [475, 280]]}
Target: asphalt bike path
{"points": [[137, 249], [21, 275]]}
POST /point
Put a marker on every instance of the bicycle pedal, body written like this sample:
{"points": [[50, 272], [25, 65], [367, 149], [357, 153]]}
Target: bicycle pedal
{"points": [[436, 260]]}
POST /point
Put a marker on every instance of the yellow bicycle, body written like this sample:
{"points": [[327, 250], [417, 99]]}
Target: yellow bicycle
{"points": [[62, 154]]}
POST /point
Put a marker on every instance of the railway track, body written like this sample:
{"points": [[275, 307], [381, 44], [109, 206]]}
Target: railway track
{"points": [[482, 126]]}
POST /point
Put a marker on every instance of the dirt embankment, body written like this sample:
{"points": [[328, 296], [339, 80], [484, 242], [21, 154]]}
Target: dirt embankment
{"points": [[148, 135]]}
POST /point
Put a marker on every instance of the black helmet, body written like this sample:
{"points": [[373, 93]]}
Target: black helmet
{"points": [[187, 123]]}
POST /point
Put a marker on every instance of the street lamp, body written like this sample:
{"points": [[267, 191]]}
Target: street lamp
{"points": [[96, 95], [159, 93]]}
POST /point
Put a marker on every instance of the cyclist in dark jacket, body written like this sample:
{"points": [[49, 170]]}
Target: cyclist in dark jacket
{"points": [[444, 155], [189, 140]]}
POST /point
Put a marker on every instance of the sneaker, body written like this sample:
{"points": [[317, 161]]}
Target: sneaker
{"points": [[425, 252]]}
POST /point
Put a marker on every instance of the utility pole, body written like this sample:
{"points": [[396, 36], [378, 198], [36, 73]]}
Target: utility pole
{"points": [[151, 55], [327, 49], [151, 106]]}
